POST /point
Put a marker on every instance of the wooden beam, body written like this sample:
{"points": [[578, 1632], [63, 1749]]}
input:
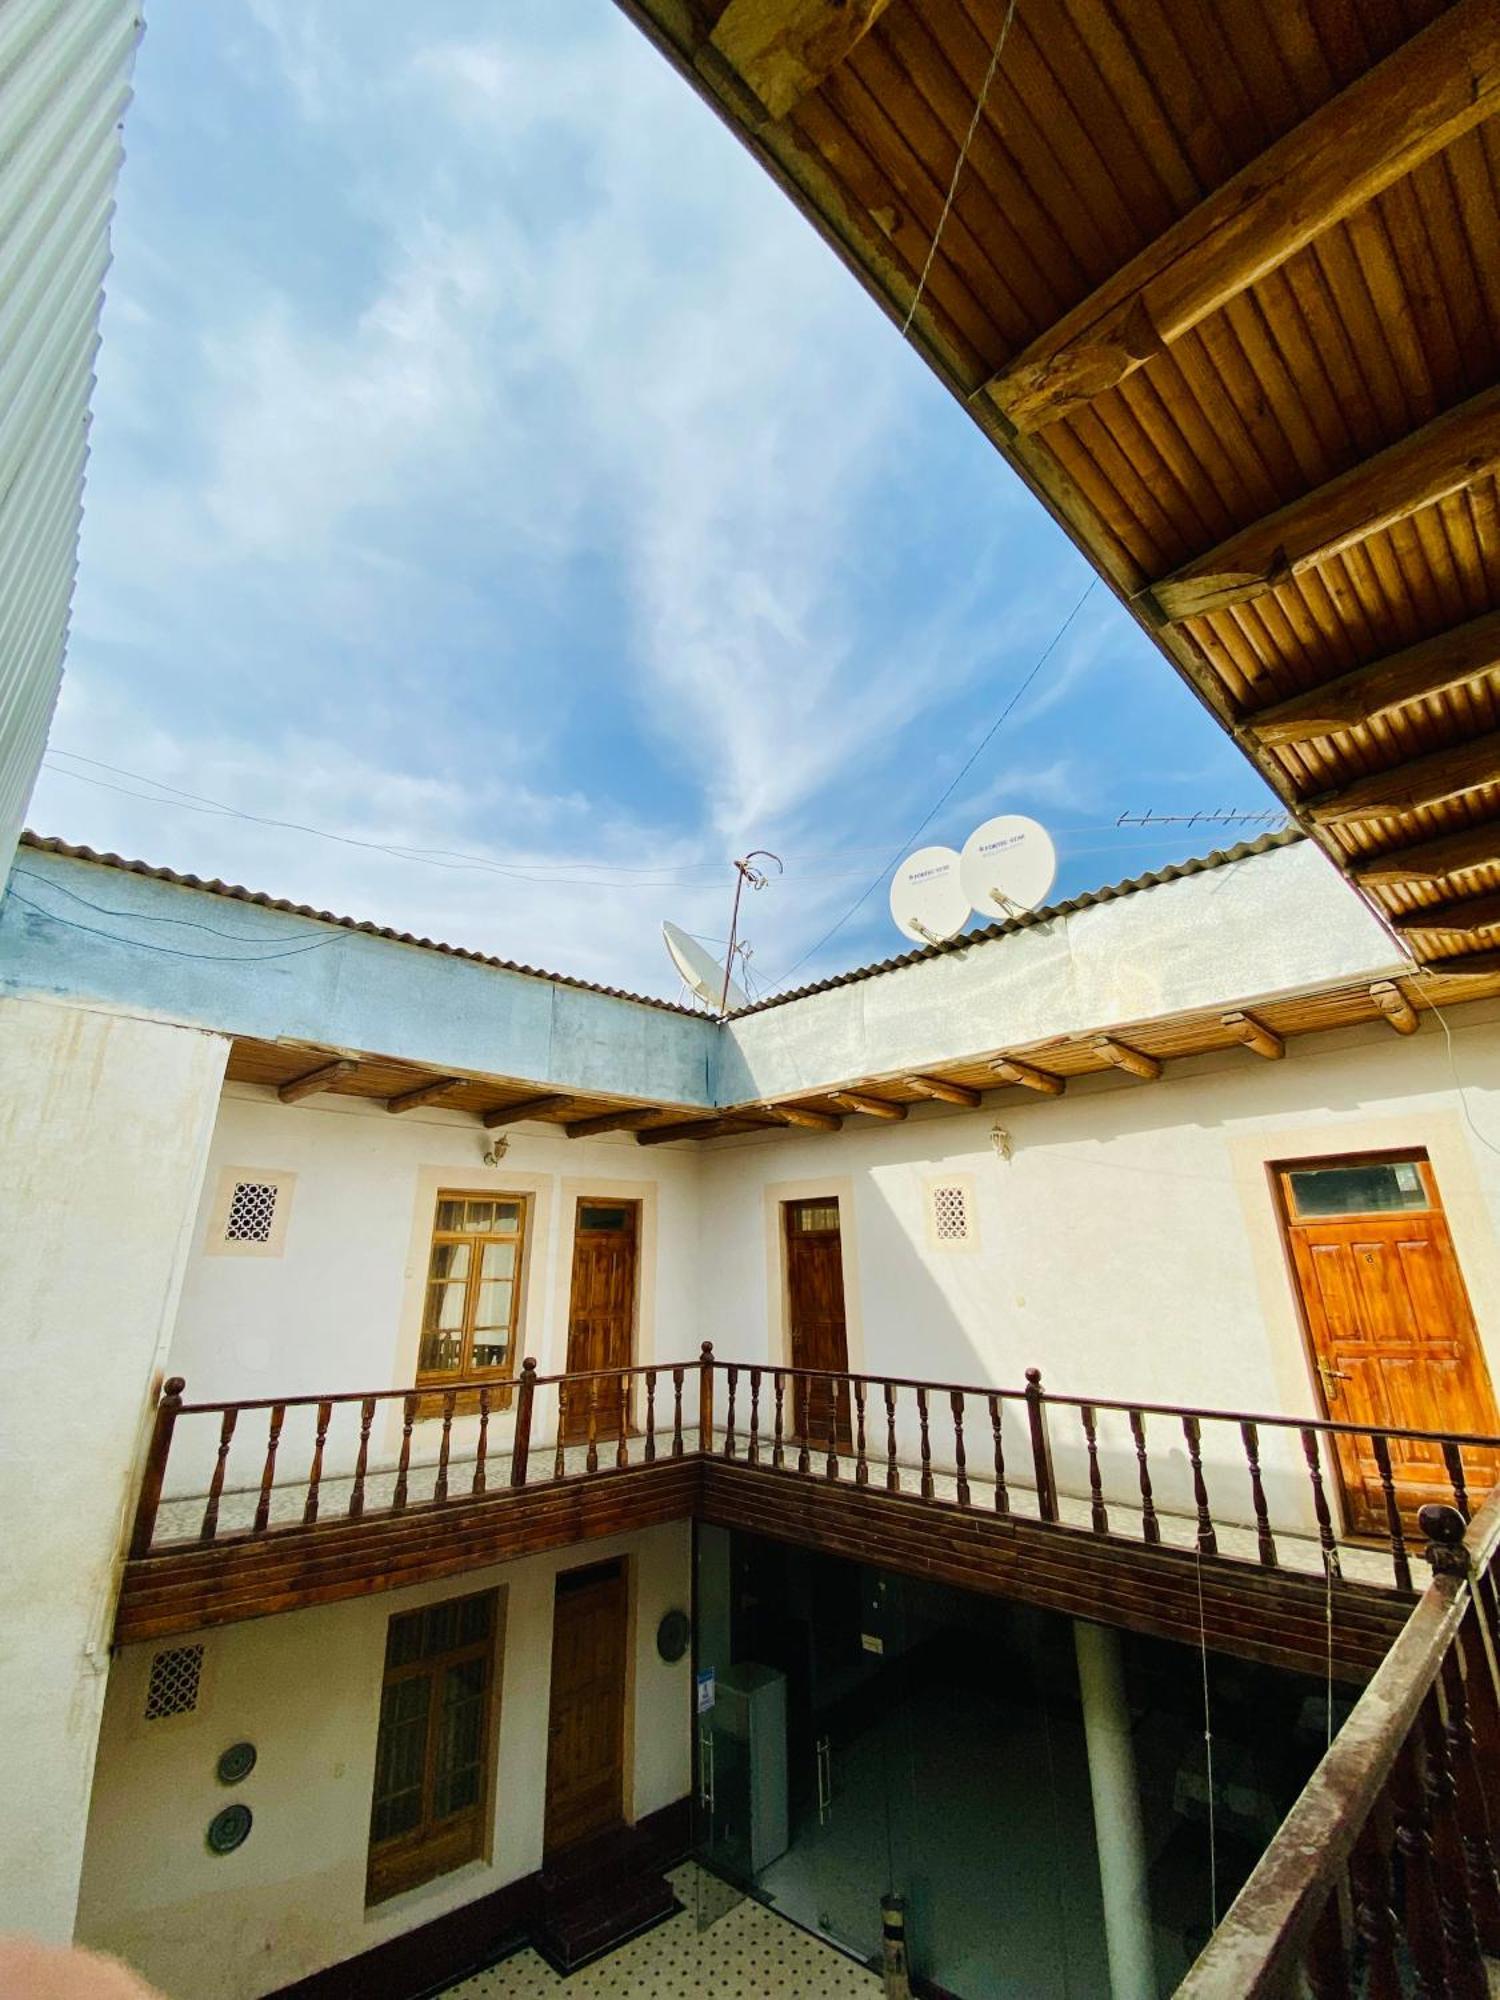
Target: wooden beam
{"points": [[1255, 1035], [1421, 781], [872, 1107], [1453, 452], [945, 1092], [299, 1087], [1411, 105], [800, 1114], [784, 49], [1464, 913], [1433, 666], [1123, 1056], [1466, 965], [626, 1119], [694, 1128], [425, 1093], [1395, 1006], [526, 1107], [1011, 1071], [1432, 860]]}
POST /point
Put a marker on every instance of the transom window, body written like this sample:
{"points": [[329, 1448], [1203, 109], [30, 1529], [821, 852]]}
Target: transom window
{"points": [[1358, 1187], [473, 1288], [432, 1758], [814, 1218]]}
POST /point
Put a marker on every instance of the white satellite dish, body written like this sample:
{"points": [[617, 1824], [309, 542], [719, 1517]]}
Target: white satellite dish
{"points": [[927, 899], [1007, 866], [702, 974]]}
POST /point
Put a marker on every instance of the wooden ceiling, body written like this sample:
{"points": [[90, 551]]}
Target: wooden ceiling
{"points": [[1222, 283]]}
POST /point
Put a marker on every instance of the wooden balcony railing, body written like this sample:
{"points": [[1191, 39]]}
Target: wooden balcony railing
{"points": [[1254, 1488], [1382, 1880]]}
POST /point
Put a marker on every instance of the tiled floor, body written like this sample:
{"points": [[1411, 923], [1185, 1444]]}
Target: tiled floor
{"points": [[747, 1954]]}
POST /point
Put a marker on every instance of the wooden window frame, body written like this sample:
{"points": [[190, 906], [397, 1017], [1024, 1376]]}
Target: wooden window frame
{"points": [[433, 1848], [468, 1378]]}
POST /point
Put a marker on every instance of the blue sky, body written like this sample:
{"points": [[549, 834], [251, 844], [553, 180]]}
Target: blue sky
{"points": [[489, 461]]}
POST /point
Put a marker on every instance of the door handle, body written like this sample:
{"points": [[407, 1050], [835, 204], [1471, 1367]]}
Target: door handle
{"points": [[825, 1780], [1331, 1375], [706, 1771]]}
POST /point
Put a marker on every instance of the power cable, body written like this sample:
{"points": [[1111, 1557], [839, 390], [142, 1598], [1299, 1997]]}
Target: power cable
{"points": [[171, 951]]}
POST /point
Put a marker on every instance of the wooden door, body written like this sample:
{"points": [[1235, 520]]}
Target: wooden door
{"points": [[601, 1313], [1389, 1323], [586, 1726], [815, 1315]]}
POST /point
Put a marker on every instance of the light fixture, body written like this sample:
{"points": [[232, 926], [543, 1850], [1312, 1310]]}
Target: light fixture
{"points": [[1000, 1140], [494, 1150]]}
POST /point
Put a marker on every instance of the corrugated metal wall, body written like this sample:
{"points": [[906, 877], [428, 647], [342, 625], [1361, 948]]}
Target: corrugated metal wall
{"points": [[64, 83]]}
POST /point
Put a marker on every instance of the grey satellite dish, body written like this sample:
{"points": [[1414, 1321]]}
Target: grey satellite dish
{"points": [[927, 899], [702, 975], [1008, 866]]}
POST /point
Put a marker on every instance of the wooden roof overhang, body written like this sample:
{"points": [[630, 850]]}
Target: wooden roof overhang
{"points": [[1223, 286]]}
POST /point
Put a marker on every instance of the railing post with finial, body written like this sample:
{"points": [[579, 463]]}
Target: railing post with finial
{"points": [[706, 1398], [1041, 1446], [525, 1397], [1444, 1529], [156, 1465]]}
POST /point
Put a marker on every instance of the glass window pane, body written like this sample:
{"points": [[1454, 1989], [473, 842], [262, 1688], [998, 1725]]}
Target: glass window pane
{"points": [[449, 1260], [440, 1627], [461, 1731], [479, 1215], [494, 1305], [507, 1216], [811, 1218], [603, 1218], [498, 1260], [400, 1757], [1374, 1187], [450, 1215], [474, 1616], [491, 1353], [403, 1642]]}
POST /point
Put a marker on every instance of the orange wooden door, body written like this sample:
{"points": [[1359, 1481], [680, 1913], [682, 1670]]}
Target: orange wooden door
{"points": [[1392, 1333], [815, 1313], [601, 1312], [586, 1726]]}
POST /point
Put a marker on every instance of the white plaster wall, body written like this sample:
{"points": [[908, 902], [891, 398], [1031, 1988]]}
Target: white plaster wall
{"points": [[1129, 1248], [338, 1310], [104, 1133], [305, 1689]]}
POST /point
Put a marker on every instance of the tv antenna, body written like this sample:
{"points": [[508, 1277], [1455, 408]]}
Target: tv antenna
{"points": [[701, 973], [745, 871], [1007, 866], [927, 900]]}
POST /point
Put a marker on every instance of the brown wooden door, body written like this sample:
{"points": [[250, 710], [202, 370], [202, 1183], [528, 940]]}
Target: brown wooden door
{"points": [[1388, 1318], [601, 1313], [586, 1726], [815, 1314]]}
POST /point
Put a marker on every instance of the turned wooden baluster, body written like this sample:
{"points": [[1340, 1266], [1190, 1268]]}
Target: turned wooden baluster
{"points": [[1475, 1829], [622, 1424], [1423, 1915], [1265, 1540], [1041, 1446], [440, 1484], [1453, 1458], [1327, 1964], [1450, 1863], [831, 1464], [216, 1485], [403, 1464], [1208, 1541], [960, 1462], [706, 1398], [1482, 1699], [1098, 1513], [861, 1463], [892, 1470], [268, 1470], [778, 1440], [677, 1413], [1150, 1526], [157, 1453], [1320, 1504], [560, 1451], [1374, 1918], [520, 1454], [315, 1475], [925, 1446], [752, 1448], [482, 1453], [803, 1410], [1002, 1497], [591, 1456], [734, 1390], [357, 1492], [1382, 1450], [650, 1452]]}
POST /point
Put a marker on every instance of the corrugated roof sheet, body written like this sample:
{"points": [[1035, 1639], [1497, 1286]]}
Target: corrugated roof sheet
{"points": [[1220, 858]]}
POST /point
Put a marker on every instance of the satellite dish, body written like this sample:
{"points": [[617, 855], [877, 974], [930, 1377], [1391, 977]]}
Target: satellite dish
{"points": [[927, 899], [703, 975], [1007, 866]]}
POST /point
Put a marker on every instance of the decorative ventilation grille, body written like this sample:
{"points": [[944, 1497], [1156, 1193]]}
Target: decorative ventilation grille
{"points": [[252, 1209], [173, 1688], [950, 1214]]}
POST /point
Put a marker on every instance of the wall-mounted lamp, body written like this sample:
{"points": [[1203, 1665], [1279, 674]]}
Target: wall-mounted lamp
{"points": [[1000, 1140], [494, 1150]]}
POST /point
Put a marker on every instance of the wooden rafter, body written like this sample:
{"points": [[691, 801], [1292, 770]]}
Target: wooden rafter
{"points": [[1255, 1035], [944, 1091], [803, 1115], [872, 1107], [298, 1087], [425, 1093], [1422, 781], [1470, 913], [527, 1107], [1433, 666], [782, 49], [1471, 965], [1010, 1070], [1135, 1061], [1395, 1006], [693, 1128], [1421, 98], [1445, 456], [626, 1119], [1432, 860]]}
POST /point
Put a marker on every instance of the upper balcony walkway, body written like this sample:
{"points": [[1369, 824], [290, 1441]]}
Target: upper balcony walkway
{"points": [[1252, 1532]]}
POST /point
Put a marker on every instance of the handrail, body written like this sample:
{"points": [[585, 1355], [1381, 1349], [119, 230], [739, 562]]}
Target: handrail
{"points": [[456, 1385]]}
